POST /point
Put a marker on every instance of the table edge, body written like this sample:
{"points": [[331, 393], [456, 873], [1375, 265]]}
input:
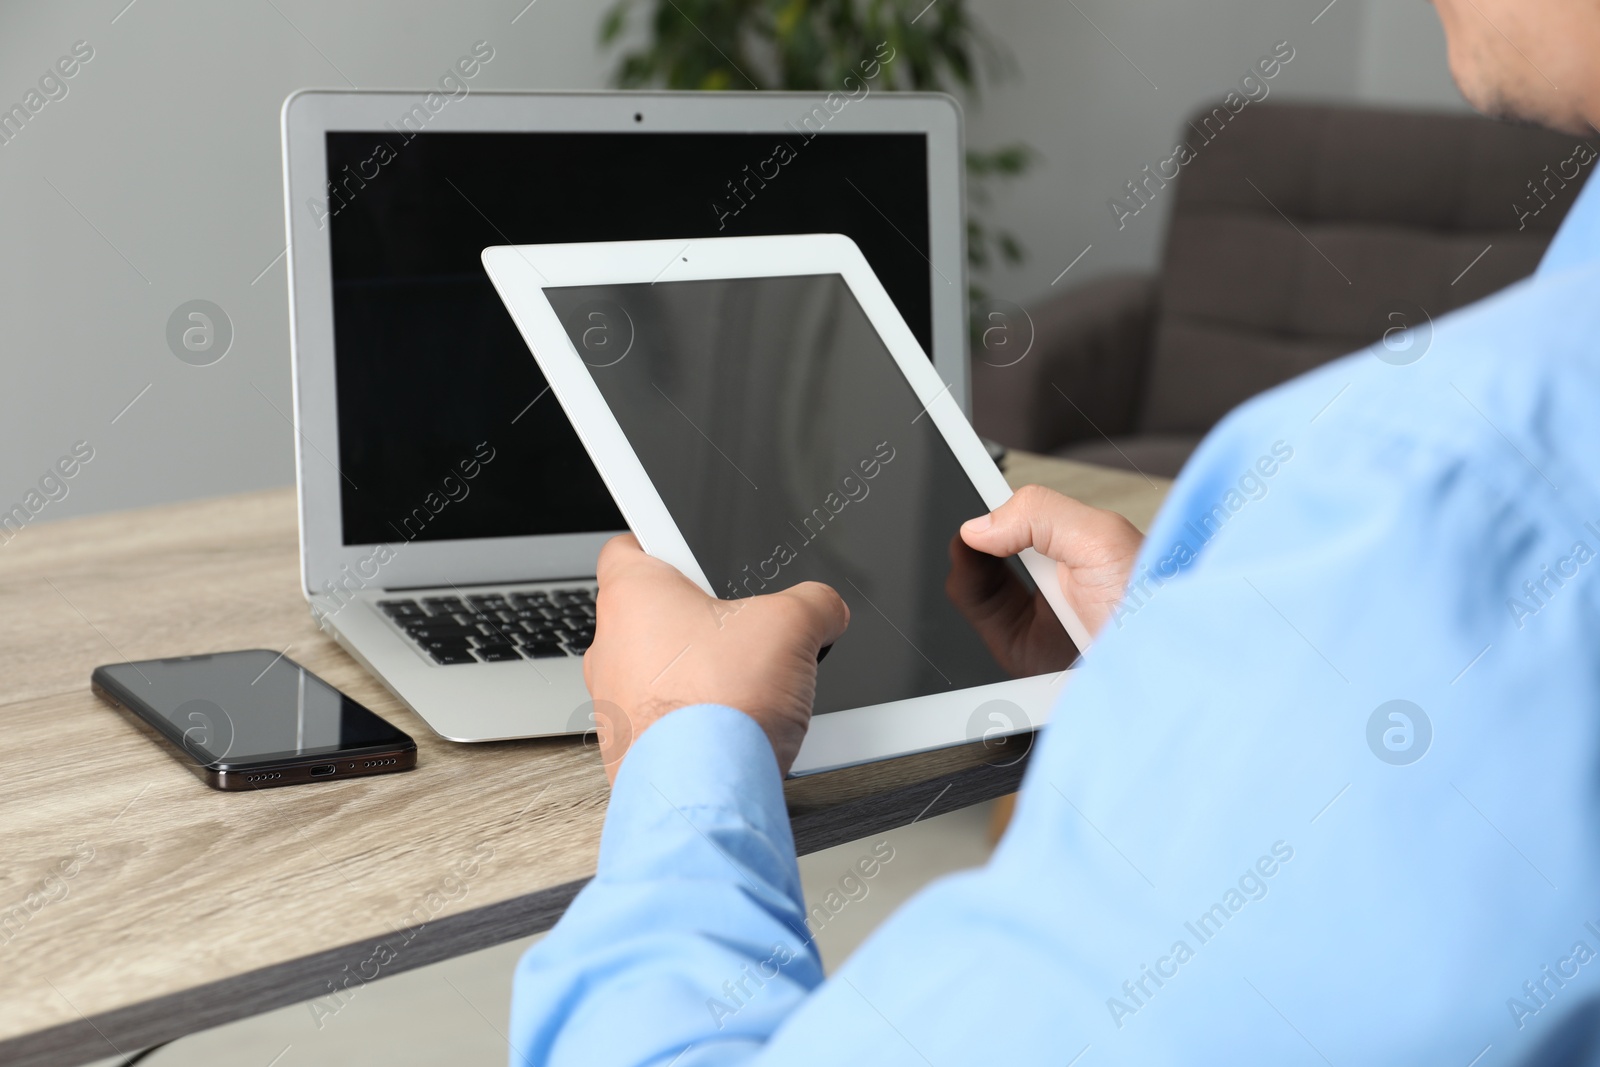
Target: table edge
{"points": [[202, 1007]]}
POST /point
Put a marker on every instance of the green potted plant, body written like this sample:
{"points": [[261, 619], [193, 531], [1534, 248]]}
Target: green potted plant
{"points": [[811, 45]]}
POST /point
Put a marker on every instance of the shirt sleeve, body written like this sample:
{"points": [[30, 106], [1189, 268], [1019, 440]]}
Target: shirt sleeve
{"points": [[690, 944]]}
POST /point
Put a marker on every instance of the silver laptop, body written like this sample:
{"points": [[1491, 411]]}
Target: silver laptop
{"points": [[449, 517]]}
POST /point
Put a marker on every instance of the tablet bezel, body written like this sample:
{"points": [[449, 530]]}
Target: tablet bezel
{"points": [[840, 738]]}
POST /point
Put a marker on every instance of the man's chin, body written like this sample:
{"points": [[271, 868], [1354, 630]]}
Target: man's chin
{"points": [[1577, 125], [1520, 109], [1505, 110]]}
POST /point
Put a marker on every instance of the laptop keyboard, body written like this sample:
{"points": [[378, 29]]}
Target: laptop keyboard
{"points": [[497, 627]]}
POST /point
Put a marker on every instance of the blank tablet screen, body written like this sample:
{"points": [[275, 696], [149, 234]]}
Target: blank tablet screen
{"points": [[788, 447]]}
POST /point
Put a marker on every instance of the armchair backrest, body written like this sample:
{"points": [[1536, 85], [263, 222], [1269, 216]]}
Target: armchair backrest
{"points": [[1300, 232]]}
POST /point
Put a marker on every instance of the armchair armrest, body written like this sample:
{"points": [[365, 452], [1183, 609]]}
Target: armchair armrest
{"points": [[1092, 343]]}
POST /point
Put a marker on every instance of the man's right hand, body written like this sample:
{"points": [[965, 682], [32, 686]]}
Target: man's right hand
{"points": [[662, 643], [1093, 549]]}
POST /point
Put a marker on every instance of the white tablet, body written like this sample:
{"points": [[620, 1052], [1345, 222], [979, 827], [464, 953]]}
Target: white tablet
{"points": [[763, 416]]}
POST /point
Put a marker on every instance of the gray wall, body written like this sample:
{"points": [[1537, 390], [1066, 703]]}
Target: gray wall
{"points": [[156, 181]]}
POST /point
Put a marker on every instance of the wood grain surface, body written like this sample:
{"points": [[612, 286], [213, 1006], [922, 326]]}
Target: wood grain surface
{"points": [[1134, 496], [137, 905]]}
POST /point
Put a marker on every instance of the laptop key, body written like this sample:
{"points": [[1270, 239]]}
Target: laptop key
{"points": [[485, 640], [498, 653], [433, 632], [445, 621], [543, 650], [449, 656]]}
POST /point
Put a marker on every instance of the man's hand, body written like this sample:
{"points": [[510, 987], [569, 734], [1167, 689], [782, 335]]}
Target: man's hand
{"points": [[1093, 549], [661, 643]]}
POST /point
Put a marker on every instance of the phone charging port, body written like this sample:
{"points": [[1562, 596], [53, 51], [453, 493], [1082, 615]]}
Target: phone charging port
{"points": [[322, 771]]}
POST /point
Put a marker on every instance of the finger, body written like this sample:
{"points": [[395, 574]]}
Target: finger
{"points": [[1059, 527], [983, 588], [623, 555], [826, 614], [619, 552], [994, 603]]}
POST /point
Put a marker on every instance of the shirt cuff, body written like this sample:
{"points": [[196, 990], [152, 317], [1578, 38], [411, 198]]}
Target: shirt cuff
{"points": [[698, 772]]}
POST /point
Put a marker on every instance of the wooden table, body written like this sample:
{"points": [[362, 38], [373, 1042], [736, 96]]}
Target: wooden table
{"points": [[136, 905]]}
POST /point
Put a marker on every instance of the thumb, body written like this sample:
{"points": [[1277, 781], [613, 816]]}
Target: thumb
{"points": [[1056, 526], [617, 554], [826, 614]]}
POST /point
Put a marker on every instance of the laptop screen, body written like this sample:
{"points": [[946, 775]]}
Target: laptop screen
{"points": [[446, 427]]}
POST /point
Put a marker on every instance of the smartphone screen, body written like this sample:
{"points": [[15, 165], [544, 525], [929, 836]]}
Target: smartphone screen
{"points": [[235, 709]]}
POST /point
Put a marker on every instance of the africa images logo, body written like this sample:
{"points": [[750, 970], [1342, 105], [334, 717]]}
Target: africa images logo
{"points": [[1399, 733]]}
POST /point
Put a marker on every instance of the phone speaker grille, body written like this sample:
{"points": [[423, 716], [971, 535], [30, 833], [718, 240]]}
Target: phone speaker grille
{"points": [[263, 777], [390, 762]]}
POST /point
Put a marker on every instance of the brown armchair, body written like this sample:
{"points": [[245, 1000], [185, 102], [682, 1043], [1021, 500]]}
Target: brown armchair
{"points": [[1293, 236]]}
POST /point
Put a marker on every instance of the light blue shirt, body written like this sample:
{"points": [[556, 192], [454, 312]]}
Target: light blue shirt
{"points": [[1326, 791]]}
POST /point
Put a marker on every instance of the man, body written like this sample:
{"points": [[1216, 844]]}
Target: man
{"points": [[1325, 790]]}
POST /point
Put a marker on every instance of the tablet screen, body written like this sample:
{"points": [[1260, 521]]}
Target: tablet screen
{"points": [[788, 447]]}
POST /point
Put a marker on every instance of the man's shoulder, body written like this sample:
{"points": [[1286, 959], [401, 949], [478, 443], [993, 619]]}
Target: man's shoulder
{"points": [[1511, 380], [1499, 401]]}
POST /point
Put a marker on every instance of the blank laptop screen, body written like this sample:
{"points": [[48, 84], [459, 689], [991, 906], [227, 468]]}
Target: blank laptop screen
{"points": [[446, 427]]}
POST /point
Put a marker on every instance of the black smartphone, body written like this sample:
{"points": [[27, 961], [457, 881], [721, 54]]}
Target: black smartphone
{"points": [[254, 719]]}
